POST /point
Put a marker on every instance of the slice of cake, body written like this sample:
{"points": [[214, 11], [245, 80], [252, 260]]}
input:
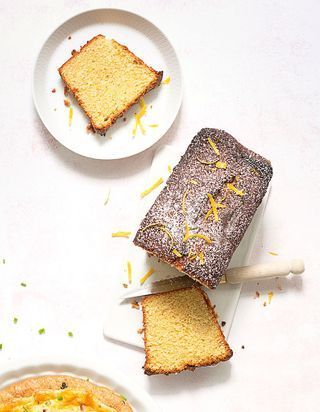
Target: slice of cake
{"points": [[181, 332], [201, 215], [106, 78]]}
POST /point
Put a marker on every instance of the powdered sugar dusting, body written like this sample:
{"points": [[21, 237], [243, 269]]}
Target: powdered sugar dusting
{"points": [[248, 171]]}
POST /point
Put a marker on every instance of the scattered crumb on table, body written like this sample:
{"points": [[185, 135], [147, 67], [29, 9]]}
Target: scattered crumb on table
{"points": [[69, 37], [73, 52], [140, 331], [65, 90], [242, 347], [89, 128], [135, 304], [273, 253], [53, 90], [66, 102], [257, 294], [124, 119], [124, 285], [264, 303], [223, 323]]}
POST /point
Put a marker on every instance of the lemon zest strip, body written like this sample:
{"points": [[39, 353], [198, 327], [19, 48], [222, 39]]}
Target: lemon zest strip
{"points": [[214, 208], [146, 276], [204, 162], [166, 80], [235, 190], [184, 198], [161, 227], [189, 235], [201, 258], [138, 117], [129, 270], [214, 147], [70, 115], [176, 252], [221, 165], [152, 187], [121, 234]]}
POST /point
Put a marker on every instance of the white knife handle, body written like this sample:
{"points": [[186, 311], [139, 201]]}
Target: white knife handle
{"points": [[264, 270]]}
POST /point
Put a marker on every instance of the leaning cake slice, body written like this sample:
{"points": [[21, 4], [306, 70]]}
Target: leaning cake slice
{"points": [[201, 215], [181, 332], [106, 78]]}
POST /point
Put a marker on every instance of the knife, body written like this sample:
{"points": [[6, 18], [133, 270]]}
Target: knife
{"points": [[232, 276]]}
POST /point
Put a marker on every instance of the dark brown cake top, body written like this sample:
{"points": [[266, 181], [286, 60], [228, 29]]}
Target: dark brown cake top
{"points": [[201, 215]]}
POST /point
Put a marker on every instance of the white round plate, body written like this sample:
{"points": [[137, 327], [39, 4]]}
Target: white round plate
{"points": [[99, 373], [145, 40]]}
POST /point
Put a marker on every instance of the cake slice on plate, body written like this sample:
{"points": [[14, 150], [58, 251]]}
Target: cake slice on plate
{"points": [[181, 332], [106, 78]]}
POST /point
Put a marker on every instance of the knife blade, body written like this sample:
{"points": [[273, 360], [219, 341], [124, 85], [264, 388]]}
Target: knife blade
{"points": [[163, 285], [232, 276]]}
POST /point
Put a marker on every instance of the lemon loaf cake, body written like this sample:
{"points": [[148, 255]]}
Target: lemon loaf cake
{"points": [[60, 393], [181, 332], [202, 213], [106, 78]]}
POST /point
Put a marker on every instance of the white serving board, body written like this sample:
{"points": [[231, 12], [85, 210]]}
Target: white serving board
{"points": [[123, 322], [145, 40], [99, 373]]}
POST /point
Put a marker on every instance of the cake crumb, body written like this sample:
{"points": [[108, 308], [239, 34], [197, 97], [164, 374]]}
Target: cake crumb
{"points": [[257, 294], [65, 90], [140, 331], [89, 128], [242, 347], [66, 102], [270, 296], [73, 52], [223, 323], [124, 119], [264, 303], [135, 304], [124, 285], [53, 90], [273, 254], [69, 37]]}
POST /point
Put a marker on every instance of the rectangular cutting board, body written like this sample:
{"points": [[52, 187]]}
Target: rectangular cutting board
{"points": [[122, 321]]}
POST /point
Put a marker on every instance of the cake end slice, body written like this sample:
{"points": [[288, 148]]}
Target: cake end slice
{"points": [[106, 78], [181, 332]]}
